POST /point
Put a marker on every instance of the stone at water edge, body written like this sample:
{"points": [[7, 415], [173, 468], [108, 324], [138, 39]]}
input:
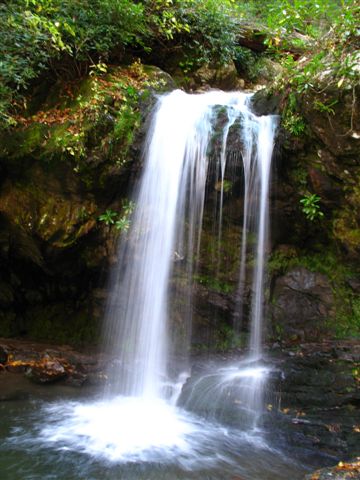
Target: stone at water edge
{"points": [[342, 471], [46, 371]]}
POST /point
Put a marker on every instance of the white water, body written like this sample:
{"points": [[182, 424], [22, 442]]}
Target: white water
{"points": [[137, 419]]}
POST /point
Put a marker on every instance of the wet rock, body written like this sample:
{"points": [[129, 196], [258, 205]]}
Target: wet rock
{"points": [[97, 378], [43, 364], [47, 371], [303, 300], [342, 471], [76, 379], [317, 395]]}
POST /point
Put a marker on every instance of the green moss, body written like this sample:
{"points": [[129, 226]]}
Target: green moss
{"points": [[62, 143], [126, 123], [345, 322], [54, 218], [214, 284], [299, 176], [326, 262], [347, 229], [55, 324], [281, 261], [24, 142]]}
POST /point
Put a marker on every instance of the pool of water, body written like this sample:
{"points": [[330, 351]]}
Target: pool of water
{"points": [[58, 432]]}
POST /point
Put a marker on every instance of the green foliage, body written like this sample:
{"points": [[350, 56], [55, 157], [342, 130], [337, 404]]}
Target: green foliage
{"points": [[305, 16], [213, 28], [165, 20], [127, 120], [311, 207], [347, 322], [108, 217], [325, 107], [292, 120], [69, 143], [330, 43], [68, 38], [295, 124], [120, 221], [204, 30]]}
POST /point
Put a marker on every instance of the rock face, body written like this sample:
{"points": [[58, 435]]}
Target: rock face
{"points": [[66, 164], [303, 300], [315, 262]]}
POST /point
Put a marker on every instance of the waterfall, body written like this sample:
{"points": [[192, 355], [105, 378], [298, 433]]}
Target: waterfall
{"points": [[153, 413], [166, 226]]}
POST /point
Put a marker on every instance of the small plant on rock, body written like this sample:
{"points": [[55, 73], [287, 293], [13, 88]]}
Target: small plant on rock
{"points": [[108, 217], [311, 207]]}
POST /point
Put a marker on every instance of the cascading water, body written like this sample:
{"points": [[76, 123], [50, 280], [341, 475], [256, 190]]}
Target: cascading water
{"points": [[171, 194], [172, 186]]}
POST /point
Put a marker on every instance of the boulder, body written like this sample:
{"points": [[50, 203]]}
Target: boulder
{"points": [[47, 371], [224, 77], [302, 301]]}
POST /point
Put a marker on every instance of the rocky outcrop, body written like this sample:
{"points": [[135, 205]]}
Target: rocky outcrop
{"points": [[70, 160], [323, 160]]}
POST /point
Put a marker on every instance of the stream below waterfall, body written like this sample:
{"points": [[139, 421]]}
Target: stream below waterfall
{"points": [[66, 433]]}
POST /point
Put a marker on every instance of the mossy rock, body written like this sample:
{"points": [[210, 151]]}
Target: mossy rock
{"points": [[69, 159], [59, 323]]}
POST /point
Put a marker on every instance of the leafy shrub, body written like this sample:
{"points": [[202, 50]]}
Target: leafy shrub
{"points": [[62, 35], [213, 29], [204, 29]]}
